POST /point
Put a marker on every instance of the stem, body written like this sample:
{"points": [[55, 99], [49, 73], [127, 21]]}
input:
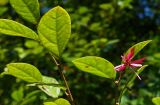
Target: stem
{"points": [[118, 91], [123, 90], [60, 69], [117, 99], [117, 83]]}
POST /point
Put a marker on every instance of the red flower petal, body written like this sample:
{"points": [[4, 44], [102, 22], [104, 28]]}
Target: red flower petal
{"points": [[120, 67], [130, 54], [139, 61]]}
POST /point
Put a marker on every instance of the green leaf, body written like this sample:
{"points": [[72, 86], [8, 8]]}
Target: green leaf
{"points": [[32, 93], [106, 6], [49, 103], [130, 81], [3, 2], [54, 30], [134, 76], [59, 101], [138, 47], [96, 65], [28, 9], [49, 84], [3, 10], [31, 44], [17, 94], [30, 97], [4, 73], [24, 71], [62, 101], [156, 100], [12, 28], [50, 90]]}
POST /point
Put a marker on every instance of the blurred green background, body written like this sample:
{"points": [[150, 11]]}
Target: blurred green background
{"points": [[105, 28]]}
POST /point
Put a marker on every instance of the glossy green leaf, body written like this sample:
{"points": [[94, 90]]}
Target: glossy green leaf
{"points": [[50, 90], [12, 28], [28, 9], [138, 47], [156, 100], [24, 71], [59, 101], [54, 30], [96, 65]]}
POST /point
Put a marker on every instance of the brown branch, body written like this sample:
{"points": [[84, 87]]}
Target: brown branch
{"points": [[60, 69]]}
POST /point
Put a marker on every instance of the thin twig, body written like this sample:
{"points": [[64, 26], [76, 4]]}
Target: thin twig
{"points": [[60, 69], [117, 93], [123, 91], [117, 83], [125, 87]]}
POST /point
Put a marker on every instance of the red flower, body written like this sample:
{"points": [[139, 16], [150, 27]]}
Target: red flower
{"points": [[127, 62]]}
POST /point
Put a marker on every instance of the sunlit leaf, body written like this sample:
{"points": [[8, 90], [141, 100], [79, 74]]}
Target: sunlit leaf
{"points": [[59, 101], [96, 65], [28, 9], [24, 71], [3, 2], [156, 100], [49, 103], [50, 90], [54, 30], [138, 47], [12, 28]]}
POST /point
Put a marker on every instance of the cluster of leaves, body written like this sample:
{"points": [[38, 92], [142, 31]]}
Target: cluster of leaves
{"points": [[53, 37]]}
